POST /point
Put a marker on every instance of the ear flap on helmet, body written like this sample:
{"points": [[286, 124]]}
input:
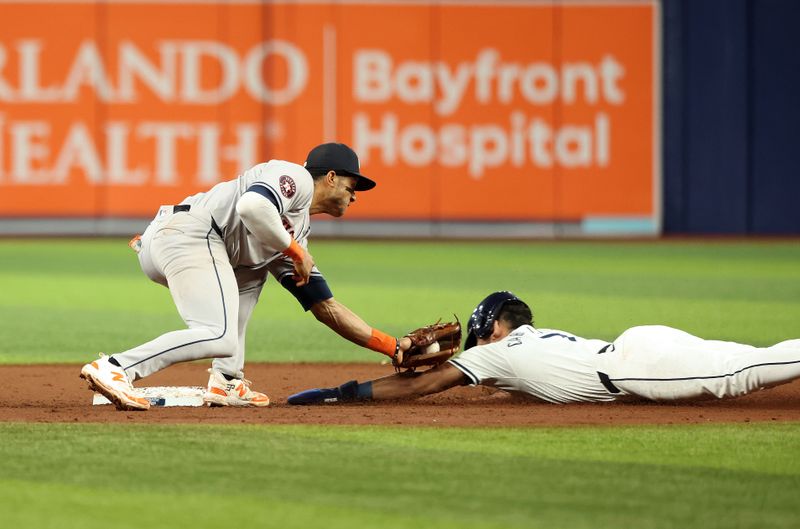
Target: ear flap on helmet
{"points": [[481, 322]]}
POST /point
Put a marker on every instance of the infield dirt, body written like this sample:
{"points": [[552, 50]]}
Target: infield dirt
{"points": [[54, 393]]}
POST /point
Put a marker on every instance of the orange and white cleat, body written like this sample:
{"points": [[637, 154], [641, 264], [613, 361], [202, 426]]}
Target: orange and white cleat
{"points": [[111, 381], [235, 392]]}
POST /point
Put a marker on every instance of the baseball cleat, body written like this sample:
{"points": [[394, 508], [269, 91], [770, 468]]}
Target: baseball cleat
{"points": [[235, 392], [111, 381]]}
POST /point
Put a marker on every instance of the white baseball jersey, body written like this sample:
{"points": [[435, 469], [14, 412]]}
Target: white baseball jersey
{"points": [[654, 362], [551, 365], [291, 188]]}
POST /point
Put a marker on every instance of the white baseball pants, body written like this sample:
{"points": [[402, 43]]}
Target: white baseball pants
{"points": [[662, 363]]}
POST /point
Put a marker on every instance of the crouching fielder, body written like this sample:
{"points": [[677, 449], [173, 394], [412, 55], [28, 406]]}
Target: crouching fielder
{"points": [[215, 251], [504, 350]]}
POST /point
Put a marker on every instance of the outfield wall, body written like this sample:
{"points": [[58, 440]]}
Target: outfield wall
{"points": [[731, 141], [522, 118]]}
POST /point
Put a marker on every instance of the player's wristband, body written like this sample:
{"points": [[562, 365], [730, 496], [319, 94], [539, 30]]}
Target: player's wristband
{"points": [[383, 343], [294, 251]]}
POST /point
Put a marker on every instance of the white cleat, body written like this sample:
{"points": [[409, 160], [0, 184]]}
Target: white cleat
{"points": [[236, 392], [112, 382]]}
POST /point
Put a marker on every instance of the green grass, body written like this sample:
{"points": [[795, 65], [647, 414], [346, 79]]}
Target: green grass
{"points": [[78, 297], [64, 300], [88, 476]]}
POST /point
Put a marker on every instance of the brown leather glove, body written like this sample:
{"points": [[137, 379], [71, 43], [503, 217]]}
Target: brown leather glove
{"points": [[423, 352]]}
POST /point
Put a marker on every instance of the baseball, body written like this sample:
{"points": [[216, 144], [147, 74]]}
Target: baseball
{"points": [[432, 348]]}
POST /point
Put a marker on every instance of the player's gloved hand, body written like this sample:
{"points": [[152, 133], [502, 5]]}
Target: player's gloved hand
{"points": [[428, 346], [303, 263], [404, 343]]}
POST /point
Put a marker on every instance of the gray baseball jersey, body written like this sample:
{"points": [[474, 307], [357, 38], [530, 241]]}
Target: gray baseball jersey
{"points": [[290, 187]]}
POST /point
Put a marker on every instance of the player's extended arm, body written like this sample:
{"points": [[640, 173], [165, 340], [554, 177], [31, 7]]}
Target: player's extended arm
{"points": [[349, 325], [398, 386], [261, 217], [410, 384]]}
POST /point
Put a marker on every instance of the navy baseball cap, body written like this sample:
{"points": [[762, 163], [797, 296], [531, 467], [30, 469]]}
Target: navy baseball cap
{"points": [[340, 158]]}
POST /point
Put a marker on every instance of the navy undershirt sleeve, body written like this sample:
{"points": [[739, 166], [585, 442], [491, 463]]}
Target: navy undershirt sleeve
{"points": [[314, 291]]}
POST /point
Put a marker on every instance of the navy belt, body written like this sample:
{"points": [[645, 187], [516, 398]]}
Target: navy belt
{"points": [[186, 207], [606, 382]]}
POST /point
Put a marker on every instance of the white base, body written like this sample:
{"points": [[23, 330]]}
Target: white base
{"points": [[164, 396]]}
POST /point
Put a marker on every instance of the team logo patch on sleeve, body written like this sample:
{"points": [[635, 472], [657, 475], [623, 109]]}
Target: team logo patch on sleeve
{"points": [[287, 185]]}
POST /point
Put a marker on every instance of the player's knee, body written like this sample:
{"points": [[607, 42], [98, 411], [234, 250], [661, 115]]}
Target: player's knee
{"points": [[222, 343]]}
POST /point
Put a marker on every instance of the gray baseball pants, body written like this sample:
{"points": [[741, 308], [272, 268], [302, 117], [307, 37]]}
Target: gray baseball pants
{"points": [[183, 252]]}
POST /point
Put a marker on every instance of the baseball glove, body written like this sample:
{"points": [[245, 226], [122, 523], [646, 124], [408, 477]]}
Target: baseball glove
{"points": [[430, 346]]}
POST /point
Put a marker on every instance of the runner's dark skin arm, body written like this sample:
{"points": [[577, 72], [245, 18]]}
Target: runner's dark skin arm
{"points": [[417, 384]]}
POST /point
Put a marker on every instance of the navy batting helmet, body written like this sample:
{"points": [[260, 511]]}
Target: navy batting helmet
{"points": [[481, 323]]}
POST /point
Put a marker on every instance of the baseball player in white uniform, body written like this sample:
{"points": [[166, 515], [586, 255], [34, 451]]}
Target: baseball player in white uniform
{"points": [[504, 350], [214, 252]]}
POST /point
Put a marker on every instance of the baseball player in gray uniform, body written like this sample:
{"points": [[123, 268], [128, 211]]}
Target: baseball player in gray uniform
{"points": [[504, 350], [214, 252]]}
